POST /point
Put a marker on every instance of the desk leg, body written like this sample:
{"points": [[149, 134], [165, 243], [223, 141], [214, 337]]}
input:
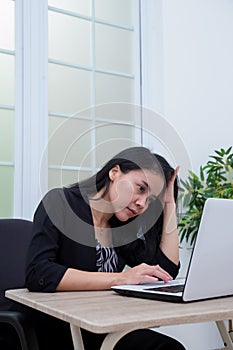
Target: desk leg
{"points": [[230, 329], [225, 335], [112, 338], [77, 337]]}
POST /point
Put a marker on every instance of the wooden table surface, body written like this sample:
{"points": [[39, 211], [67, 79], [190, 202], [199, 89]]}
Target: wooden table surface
{"points": [[106, 311]]}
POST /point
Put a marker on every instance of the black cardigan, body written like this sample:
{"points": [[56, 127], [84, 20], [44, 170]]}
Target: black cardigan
{"points": [[63, 237]]}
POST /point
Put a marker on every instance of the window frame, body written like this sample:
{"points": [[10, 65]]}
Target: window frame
{"points": [[31, 107], [31, 102]]}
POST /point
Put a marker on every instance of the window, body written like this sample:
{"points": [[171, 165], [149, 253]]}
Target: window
{"points": [[92, 79], [7, 106], [70, 71]]}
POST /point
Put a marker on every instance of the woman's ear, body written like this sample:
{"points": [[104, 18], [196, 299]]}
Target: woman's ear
{"points": [[114, 172]]}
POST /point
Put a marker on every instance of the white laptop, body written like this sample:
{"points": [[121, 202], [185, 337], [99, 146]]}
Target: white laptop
{"points": [[209, 274]]}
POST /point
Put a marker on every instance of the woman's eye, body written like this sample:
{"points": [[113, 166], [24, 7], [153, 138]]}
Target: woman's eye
{"points": [[141, 189]]}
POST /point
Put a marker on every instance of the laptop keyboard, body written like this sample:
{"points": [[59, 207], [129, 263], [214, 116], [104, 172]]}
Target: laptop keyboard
{"points": [[171, 289]]}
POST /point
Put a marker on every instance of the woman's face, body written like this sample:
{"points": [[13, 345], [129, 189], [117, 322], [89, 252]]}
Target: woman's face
{"points": [[131, 193]]}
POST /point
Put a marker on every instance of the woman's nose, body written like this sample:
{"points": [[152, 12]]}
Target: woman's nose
{"points": [[141, 202]]}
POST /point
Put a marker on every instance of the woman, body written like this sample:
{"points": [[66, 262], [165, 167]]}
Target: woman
{"points": [[85, 234]]}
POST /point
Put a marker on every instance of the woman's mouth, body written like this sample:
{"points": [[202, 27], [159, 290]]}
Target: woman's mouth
{"points": [[132, 211]]}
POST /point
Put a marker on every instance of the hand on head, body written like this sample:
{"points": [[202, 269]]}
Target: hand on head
{"points": [[169, 192]]}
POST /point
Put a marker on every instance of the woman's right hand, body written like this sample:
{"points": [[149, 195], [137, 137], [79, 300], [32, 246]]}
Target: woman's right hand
{"points": [[84, 280], [144, 273]]}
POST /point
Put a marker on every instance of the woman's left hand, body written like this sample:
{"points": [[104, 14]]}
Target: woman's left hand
{"points": [[169, 193], [169, 243]]}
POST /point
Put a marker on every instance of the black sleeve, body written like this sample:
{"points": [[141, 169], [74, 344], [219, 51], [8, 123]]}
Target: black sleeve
{"points": [[43, 272]]}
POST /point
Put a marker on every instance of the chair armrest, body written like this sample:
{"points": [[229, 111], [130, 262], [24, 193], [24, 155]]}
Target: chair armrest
{"points": [[23, 328]]}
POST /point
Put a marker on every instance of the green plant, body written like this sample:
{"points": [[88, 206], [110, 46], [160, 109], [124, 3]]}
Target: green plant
{"points": [[214, 180]]}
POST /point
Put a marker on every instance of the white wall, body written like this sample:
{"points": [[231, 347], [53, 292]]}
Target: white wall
{"points": [[198, 73], [188, 78], [188, 70]]}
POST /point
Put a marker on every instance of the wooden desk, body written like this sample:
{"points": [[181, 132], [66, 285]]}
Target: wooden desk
{"points": [[108, 312]]}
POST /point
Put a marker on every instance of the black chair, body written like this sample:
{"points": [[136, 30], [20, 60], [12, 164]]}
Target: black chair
{"points": [[15, 327]]}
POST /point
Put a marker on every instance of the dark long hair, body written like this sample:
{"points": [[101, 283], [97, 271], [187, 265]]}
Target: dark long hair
{"points": [[133, 158], [151, 223], [152, 218], [168, 172]]}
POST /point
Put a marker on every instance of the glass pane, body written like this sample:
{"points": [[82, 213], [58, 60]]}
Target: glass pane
{"points": [[7, 77], [6, 191], [114, 89], [6, 136], [119, 55], [69, 89], [69, 38], [117, 112], [7, 24], [82, 7], [59, 178], [111, 139], [69, 142], [76, 142], [117, 11]]}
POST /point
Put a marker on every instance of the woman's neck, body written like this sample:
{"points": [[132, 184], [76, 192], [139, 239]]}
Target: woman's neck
{"points": [[101, 210], [100, 217]]}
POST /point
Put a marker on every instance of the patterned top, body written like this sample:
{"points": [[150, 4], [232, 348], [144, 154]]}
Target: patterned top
{"points": [[106, 259]]}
